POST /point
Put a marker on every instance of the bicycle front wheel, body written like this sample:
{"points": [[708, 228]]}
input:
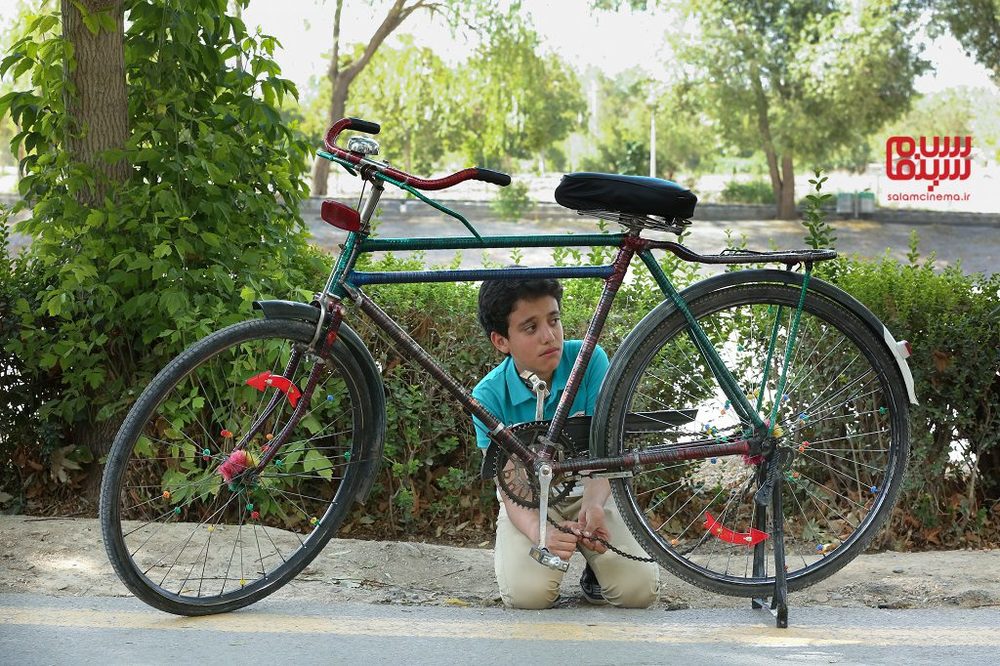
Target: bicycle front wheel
{"points": [[842, 415], [188, 539]]}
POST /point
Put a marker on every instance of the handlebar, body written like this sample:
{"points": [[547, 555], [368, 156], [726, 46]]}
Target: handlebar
{"points": [[368, 127]]}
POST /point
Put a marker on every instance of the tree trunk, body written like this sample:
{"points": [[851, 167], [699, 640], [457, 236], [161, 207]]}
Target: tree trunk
{"points": [[97, 113], [338, 104], [781, 183], [786, 204], [773, 171], [96, 99]]}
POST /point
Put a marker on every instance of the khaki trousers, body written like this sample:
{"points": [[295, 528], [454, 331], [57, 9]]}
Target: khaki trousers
{"points": [[524, 583]]}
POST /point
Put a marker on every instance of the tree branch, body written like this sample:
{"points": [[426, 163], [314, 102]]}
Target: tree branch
{"points": [[393, 18]]}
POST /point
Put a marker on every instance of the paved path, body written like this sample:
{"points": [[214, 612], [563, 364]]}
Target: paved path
{"points": [[977, 247], [45, 630]]}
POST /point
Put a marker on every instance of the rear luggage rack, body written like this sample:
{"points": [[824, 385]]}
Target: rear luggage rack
{"points": [[741, 256]]}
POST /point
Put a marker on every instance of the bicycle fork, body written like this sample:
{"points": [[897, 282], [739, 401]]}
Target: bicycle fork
{"points": [[326, 336]]}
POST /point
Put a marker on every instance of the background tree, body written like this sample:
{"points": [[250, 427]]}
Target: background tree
{"points": [[684, 135], [411, 90], [347, 64], [976, 26], [802, 79], [515, 100]]}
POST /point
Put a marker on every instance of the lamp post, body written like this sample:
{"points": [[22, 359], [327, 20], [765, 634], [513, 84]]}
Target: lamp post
{"points": [[651, 101]]}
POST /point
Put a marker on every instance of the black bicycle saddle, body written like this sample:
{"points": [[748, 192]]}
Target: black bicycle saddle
{"points": [[632, 195]]}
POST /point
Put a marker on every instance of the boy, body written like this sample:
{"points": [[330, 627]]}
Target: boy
{"points": [[522, 321]]}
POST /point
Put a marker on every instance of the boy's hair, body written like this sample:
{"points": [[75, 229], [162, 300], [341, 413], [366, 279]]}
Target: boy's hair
{"points": [[497, 299]]}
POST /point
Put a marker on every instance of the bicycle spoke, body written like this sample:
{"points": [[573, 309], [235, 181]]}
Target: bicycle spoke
{"points": [[200, 540], [835, 425]]}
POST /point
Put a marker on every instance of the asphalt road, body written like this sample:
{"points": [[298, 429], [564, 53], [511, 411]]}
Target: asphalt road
{"points": [[975, 247], [48, 630]]}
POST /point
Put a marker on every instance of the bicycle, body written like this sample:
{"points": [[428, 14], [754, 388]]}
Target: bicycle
{"points": [[753, 426]]}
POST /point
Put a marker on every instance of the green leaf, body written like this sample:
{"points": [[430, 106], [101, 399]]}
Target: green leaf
{"points": [[317, 463], [107, 21], [92, 21]]}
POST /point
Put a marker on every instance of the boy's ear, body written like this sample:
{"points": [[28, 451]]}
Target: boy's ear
{"points": [[500, 342]]}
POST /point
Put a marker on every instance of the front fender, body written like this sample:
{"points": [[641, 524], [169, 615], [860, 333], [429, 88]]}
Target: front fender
{"points": [[370, 372]]}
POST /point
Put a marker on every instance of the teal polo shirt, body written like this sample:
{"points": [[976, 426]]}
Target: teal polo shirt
{"points": [[504, 394]]}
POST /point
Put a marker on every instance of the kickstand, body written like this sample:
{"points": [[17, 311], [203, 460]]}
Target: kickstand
{"points": [[779, 601]]}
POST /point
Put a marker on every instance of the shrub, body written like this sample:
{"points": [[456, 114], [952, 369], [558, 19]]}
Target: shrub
{"points": [[512, 202], [951, 320], [206, 222], [430, 480], [753, 192], [951, 492]]}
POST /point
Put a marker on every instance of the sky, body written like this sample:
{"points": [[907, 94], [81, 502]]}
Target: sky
{"points": [[612, 42]]}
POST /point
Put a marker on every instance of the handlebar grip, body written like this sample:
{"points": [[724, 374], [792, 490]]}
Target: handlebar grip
{"points": [[495, 177], [365, 126]]}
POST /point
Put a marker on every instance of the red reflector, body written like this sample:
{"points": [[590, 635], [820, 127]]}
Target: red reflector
{"points": [[340, 215], [909, 349]]}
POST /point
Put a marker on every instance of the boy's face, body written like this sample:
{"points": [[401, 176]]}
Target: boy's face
{"points": [[534, 336]]}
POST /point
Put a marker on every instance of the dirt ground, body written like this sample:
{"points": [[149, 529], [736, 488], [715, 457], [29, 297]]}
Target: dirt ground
{"points": [[65, 557]]}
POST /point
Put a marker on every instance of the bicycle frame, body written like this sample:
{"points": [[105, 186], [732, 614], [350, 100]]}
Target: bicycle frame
{"points": [[345, 282]]}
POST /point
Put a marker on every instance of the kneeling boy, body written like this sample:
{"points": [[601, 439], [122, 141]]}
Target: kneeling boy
{"points": [[522, 321]]}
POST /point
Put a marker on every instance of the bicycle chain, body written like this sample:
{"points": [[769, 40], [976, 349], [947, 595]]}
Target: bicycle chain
{"points": [[561, 495], [598, 539]]}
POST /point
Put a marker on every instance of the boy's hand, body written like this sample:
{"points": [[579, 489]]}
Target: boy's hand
{"points": [[560, 543], [591, 523]]}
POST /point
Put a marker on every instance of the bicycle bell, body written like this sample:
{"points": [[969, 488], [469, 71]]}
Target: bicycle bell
{"points": [[362, 145]]}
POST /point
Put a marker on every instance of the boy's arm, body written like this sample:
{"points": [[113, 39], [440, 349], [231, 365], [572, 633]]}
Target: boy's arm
{"points": [[591, 518]]}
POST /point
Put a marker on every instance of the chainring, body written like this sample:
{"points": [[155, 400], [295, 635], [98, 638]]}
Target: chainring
{"points": [[519, 483]]}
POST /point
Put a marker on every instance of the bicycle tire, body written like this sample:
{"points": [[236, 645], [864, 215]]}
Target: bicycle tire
{"points": [[844, 411], [174, 529]]}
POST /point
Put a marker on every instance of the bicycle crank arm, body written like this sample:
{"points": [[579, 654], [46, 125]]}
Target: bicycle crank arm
{"points": [[540, 553]]}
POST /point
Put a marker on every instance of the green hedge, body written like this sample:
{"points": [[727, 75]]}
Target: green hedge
{"points": [[951, 320], [950, 496], [429, 484]]}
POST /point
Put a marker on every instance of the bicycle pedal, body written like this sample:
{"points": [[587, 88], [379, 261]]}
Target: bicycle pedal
{"points": [[545, 558]]}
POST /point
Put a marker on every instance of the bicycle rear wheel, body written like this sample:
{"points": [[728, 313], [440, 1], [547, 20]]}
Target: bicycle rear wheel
{"points": [[186, 539], [843, 414]]}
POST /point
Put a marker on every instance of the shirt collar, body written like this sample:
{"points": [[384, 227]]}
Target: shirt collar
{"points": [[516, 389], [519, 392]]}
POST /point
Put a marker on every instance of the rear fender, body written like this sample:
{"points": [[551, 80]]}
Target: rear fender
{"points": [[723, 281]]}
